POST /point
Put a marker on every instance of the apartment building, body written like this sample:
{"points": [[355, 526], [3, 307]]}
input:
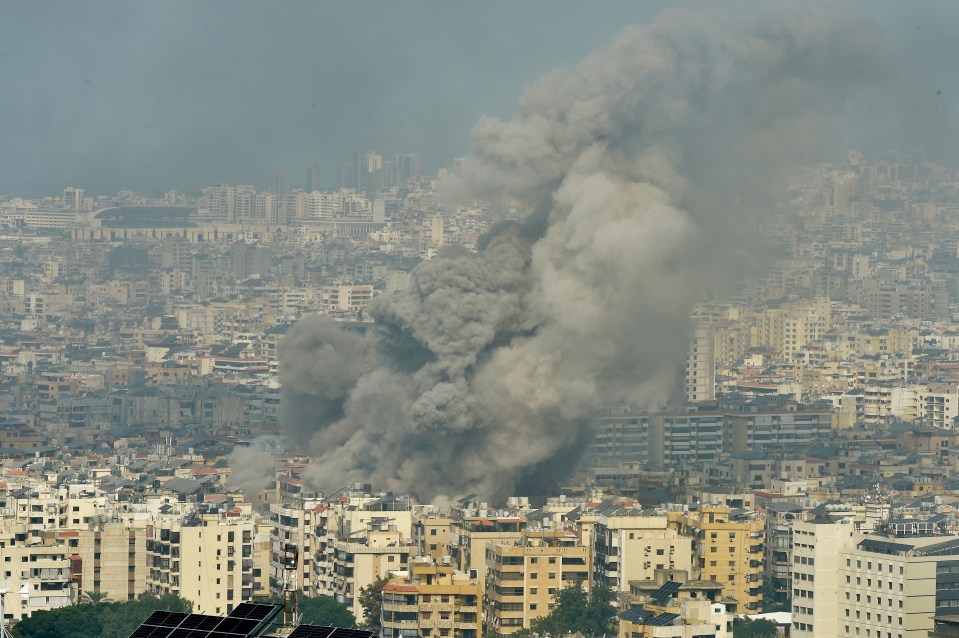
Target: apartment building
{"points": [[359, 563], [432, 536], [108, 558], [889, 583], [41, 570], [470, 536], [293, 539], [674, 606], [816, 549], [205, 558], [523, 578], [729, 548], [432, 600], [631, 544]]}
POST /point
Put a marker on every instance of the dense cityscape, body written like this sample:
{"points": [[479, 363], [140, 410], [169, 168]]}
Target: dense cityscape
{"points": [[669, 350], [143, 448]]}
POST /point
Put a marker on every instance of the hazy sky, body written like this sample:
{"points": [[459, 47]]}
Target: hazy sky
{"points": [[175, 94]]}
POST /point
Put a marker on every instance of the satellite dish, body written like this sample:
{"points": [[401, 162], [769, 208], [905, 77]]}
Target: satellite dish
{"points": [[25, 590]]}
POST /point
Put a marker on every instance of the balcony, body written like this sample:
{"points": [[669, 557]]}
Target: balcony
{"points": [[399, 607], [44, 574], [401, 624]]}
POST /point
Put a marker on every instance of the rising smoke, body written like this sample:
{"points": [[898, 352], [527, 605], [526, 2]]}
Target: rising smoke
{"points": [[638, 166]]}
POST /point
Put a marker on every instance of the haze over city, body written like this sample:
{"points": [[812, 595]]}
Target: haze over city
{"points": [[344, 320], [180, 95]]}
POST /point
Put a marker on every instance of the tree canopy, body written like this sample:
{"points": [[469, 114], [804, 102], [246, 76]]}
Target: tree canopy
{"points": [[97, 619], [758, 628], [371, 598], [319, 610], [577, 611]]}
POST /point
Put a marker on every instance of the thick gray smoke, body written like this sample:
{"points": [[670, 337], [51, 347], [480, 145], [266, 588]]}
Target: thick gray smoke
{"points": [[637, 164], [252, 468]]}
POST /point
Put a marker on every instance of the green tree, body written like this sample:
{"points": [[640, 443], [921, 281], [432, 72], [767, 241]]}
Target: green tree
{"points": [[772, 600], [93, 597], [577, 611], [758, 628], [97, 620], [323, 610], [371, 599], [318, 610]]}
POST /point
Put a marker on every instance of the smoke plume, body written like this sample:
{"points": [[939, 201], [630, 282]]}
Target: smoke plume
{"points": [[639, 166], [252, 468]]}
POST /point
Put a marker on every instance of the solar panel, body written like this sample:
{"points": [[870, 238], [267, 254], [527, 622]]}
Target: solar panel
{"points": [[319, 631], [636, 614], [161, 618], [254, 611], [663, 620], [666, 591], [164, 624]]}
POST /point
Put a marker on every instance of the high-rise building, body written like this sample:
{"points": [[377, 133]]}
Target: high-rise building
{"points": [[73, 198], [408, 167], [208, 559], [631, 544], [700, 377], [312, 179], [886, 584], [437, 227], [368, 173], [524, 577], [432, 600], [730, 550], [280, 184]]}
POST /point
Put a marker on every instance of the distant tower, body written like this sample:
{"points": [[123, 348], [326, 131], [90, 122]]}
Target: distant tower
{"points": [[701, 365], [73, 198], [408, 167], [280, 184], [437, 229], [368, 173], [313, 179]]}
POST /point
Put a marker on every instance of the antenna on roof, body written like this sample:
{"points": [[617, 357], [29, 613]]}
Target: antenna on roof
{"points": [[291, 554]]}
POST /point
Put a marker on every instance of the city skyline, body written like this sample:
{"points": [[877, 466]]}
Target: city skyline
{"points": [[117, 95]]}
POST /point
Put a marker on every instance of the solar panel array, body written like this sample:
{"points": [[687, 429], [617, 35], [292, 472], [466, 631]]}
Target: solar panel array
{"points": [[317, 631], [254, 611], [668, 590], [171, 624], [245, 621]]}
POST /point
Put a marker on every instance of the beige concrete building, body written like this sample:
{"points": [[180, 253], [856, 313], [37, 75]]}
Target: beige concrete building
{"points": [[729, 548], [790, 327], [885, 584], [358, 564], [816, 579], [207, 559], [470, 536], [432, 536], [44, 569], [108, 559], [432, 601], [523, 578], [632, 544]]}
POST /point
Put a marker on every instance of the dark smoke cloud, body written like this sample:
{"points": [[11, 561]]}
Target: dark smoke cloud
{"points": [[636, 164]]}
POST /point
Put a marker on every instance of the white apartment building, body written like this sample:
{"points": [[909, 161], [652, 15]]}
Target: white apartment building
{"points": [[816, 553], [208, 559], [633, 545], [885, 584]]}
